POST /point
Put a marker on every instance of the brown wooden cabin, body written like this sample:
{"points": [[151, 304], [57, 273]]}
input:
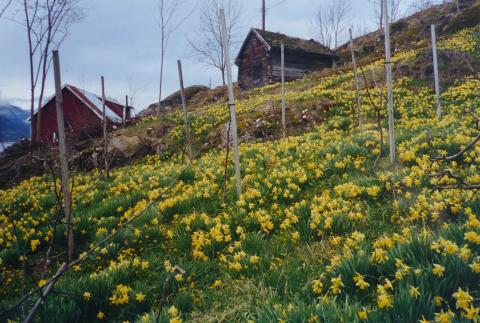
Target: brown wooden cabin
{"points": [[259, 59]]}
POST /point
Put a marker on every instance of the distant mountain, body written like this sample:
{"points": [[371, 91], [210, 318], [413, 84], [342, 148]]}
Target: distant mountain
{"points": [[13, 123]]}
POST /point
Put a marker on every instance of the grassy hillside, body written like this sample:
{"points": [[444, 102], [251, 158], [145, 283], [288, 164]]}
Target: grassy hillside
{"points": [[325, 230]]}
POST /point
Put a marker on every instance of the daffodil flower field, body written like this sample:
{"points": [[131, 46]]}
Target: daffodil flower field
{"points": [[325, 230]]}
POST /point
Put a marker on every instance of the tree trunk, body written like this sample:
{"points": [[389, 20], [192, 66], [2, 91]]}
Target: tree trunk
{"points": [[231, 96], [42, 91], [381, 16], [32, 80], [282, 61], [185, 112], [67, 200], [389, 80], [264, 14], [161, 72], [44, 71]]}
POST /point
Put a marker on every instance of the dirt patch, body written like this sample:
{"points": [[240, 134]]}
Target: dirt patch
{"points": [[21, 161]]}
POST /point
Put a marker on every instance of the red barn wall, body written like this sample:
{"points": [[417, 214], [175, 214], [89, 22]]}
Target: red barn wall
{"points": [[80, 121]]}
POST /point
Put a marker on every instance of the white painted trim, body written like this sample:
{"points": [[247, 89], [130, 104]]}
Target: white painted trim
{"points": [[263, 40], [86, 103]]}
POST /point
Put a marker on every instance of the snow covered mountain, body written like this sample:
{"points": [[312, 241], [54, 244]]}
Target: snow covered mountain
{"points": [[13, 123]]}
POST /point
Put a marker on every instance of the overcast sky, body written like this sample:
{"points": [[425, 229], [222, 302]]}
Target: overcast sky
{"points": [[119, 39]]}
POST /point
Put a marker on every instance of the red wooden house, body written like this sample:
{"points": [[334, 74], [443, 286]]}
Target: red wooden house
{"points": [[82, 114]]}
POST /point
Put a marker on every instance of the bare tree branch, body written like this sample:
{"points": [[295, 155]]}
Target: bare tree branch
{"points": [[168, 21], [393, 14], [461, 152], [329, 22], [134, 90], [47, 24], [4, 7], [419, 5], [207, 45], [461, 183]]}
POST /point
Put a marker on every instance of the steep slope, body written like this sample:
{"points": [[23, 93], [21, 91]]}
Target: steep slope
{"points": [[326, 230], [13, 123], [414, 30]]}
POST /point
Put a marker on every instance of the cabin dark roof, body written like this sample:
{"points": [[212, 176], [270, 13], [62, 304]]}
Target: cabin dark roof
{"points": [[293, 43], [274, 40]]}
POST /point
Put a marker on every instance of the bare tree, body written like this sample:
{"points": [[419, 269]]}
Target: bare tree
{"points": [[208, 44], [47, 25], [168, 21], [4, 7], [134, 90], [361, 28], [393, 14], [329, 22], [420, 5]]}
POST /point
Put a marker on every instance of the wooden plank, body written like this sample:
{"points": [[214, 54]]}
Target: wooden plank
{"points": [[231, 103], [389, 77], [357, 84], [264, 14], [43, 295], [125, 110], [374, 77], [104, 123], [283, 89], [62, 147], [185, 113], [435, 70]]}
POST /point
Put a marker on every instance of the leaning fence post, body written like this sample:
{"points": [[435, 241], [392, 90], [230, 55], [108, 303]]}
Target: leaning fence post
{"points": [[283, 88], [374, 78], [388, 68], [67, 201], [125, 110], [231, 103], [43, 295], [435, 70], [185, 113], [357, 85]]}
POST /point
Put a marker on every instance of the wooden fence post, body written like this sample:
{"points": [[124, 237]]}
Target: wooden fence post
{"points": [[185, 113], [283, 89], [126, 110], [43, 295], [231, 96], [357, 84], [264, 14], [67, 200], [374, 77], [104, 123], [435, 71], [389, 77]]}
